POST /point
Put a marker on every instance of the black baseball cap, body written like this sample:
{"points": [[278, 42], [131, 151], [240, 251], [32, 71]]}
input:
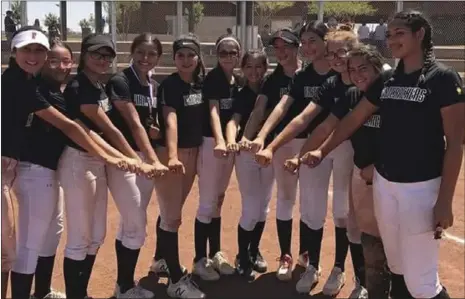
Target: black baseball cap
{"points": [[287, 36], [93, 42]]}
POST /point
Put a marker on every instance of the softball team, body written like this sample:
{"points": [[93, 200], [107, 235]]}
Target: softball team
{"points": [[255, 182], [276, 85], [418, 156], [215, 164], [133, 135]]}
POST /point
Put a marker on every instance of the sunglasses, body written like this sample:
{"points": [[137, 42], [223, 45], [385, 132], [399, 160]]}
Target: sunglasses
{"points": [[224, 54], [54, 63], [100, 56], [341, 53]]}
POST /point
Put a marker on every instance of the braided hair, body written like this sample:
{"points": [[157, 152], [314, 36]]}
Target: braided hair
{"points": [[415, 20]]}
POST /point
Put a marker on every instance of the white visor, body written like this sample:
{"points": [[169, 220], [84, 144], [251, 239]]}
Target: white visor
{"points": [[29, 37]]}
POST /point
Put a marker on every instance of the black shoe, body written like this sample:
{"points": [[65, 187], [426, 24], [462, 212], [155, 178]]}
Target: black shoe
{"points": [[245, 271], [259, 263]]}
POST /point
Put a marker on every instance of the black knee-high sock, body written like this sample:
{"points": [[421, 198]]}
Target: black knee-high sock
{"points": [[284, 236], [256, 237], [200, 235], [342, 248], [304, 235], [243, 240], [170, 252], [358, 261], [43, 276], [315, 238], [214, 236], [158, 255], [72, 270], [21, 285], [5, 276], [127, 261], [87, 266]]}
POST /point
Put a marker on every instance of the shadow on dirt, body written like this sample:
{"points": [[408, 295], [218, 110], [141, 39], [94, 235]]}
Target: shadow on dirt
{"points": [[265, 286]]}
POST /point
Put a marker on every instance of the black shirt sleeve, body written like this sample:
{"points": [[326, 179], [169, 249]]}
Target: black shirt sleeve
{"points": [[448, 88], [373, 93], [341, 108], [117, 88], [39, 102], [296, 88], [170, 95], [325, 96], [210, 88]]}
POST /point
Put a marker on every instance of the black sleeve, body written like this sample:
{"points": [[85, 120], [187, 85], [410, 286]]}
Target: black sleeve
{"points": [[82, 94], [296, 88], [169, 95], [325, 96], [71, 97], [373, 94], [40, 102], [210, 88], [341, 108], [448, 88], [117, 88]]}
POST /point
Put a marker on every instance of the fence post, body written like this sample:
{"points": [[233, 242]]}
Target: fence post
{"points": [[321, 5], [179, 14], [23, 13], [399, 8], [114, 37], [243, 23]]}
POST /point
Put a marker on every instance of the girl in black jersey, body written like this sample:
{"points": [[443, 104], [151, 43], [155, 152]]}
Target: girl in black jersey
{"points": [[276, 85], [215, 165], [303, 88], [420, 152], [255, 182], [315, 189], [133, 94], [82, 176], [36, 186], [181, 117], [365, 66]]}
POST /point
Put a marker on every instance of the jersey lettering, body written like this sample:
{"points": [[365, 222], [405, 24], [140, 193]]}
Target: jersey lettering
{"points": [[283, 91], [105, 105], [30, 118], [141, 100], [226, 104], [311, 92], [193, 99], [410, 94], [374, 121]]}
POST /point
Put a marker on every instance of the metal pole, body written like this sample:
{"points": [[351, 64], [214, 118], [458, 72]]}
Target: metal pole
{"points": [[179, 14], [63, 20], [321, 5], [23, 13], [399, 8], [243, 24], [113, 31]]}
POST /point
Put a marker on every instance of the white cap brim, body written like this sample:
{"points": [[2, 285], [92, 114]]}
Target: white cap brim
{"points": [[30, 37]]}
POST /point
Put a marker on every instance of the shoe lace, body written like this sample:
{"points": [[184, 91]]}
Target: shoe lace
{"points": [[220, 258]]}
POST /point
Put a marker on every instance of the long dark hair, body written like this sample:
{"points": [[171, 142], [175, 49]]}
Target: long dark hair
{"points": [[57, 42], [415, 20], [147, 37], [370, 54], [253, 53], [317, 27], [220, 40]]}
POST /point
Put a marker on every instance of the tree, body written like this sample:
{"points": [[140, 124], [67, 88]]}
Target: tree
{"points": [[346, 10], [194, 15], [91, 21], [16, 9], [267, 9], [52, 22], [124, 11]]}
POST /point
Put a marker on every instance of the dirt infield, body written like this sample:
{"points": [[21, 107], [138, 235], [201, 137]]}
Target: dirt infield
{"points": [[266, 286]]}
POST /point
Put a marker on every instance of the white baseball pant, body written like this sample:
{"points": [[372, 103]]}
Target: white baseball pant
{"points": [[255, 185], [145, 187], [84, 183], [214, 175], [314, 185], [286, 182], [40, 215], [8, 223], [404, 212]]}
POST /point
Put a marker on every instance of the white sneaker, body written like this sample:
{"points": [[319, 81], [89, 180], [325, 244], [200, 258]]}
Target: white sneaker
{"points": [[204, 269], [184, 288], [136, 292], [161, 269], [358, 292], [303, 260], [221, 264], [307, 280], [335, 282], [284, 272], [52, 295]]}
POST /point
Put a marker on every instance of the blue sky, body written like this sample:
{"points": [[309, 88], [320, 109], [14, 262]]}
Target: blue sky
{"points": [[77, 10]]}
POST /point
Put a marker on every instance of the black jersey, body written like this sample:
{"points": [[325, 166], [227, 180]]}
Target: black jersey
{"points": [[186, 99], [412, 141], [125, 86]]}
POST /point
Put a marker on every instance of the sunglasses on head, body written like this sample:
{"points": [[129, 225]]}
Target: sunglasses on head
{"points": [[341, 53], [224, 54], [100, 56]]}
